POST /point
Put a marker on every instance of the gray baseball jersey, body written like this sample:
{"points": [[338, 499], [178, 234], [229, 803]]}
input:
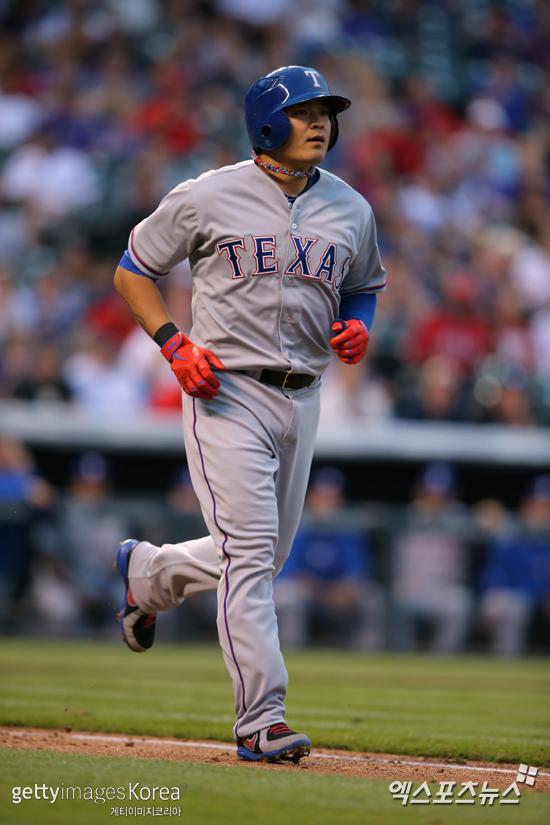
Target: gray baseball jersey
{"points": [[267, 282], [267, 275]]}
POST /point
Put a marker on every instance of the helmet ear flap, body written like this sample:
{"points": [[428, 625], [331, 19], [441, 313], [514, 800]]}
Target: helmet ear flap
{"points": [[273, 133]]}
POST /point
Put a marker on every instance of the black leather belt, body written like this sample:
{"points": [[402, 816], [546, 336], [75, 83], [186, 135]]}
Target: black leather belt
{"points": [[284, 380]]}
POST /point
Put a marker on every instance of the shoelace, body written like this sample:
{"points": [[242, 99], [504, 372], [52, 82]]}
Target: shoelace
{"points": [[280, 727]]}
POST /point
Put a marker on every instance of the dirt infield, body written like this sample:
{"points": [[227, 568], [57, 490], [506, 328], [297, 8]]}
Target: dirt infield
{"points": [[324, 761]]}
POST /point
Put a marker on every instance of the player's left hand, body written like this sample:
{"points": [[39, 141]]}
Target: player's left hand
{"points": [[350, 341]]}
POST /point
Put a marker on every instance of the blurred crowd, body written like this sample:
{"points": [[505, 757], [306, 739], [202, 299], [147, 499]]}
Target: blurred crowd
{"points": [[433, 575], [107, 104]]}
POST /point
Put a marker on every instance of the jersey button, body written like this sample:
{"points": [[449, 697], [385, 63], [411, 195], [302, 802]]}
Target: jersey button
{"points": [[294, 226]]}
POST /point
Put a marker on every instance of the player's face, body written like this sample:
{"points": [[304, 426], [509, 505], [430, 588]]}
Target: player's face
{"points": [[310, 135]]}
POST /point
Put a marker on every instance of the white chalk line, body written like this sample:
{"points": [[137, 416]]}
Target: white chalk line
{"points": [[179, 743]]}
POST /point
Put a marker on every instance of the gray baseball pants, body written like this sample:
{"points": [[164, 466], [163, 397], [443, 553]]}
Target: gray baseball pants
{"points": [[249, 452]]}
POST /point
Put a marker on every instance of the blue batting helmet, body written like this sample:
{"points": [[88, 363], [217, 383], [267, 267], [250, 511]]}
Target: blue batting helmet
{"points": [[266, 100]]}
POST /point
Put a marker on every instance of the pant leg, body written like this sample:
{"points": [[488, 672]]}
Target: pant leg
{"points": [[162, 577], [403, 619], [506, 614], [232, 445], [448, 609], [370, 633], [452, 616], [241, 447], [293, 603]]}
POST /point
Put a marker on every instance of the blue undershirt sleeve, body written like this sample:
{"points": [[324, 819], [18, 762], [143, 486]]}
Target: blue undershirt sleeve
{"points": [[361, 305], [127, 263]]}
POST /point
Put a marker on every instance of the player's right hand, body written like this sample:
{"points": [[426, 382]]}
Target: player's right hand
{"points": [[192, 366]]}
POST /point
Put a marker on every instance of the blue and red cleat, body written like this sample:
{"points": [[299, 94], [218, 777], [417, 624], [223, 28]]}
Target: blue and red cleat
{"points": [[137, 626], [277, 743]]}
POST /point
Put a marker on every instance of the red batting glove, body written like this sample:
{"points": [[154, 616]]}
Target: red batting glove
{"points": [[192, 366], [351, 341]]}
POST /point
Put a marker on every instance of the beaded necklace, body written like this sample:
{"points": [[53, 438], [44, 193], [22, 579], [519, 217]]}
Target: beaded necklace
{"points": [[273, 168]]}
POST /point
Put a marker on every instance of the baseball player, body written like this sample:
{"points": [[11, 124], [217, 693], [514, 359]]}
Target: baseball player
{"points": [[285, 268]]}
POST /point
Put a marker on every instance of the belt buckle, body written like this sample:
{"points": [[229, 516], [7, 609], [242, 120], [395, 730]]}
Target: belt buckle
{"points": [[285, 379]]}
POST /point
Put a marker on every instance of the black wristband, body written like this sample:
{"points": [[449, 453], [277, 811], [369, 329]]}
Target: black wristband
{"points": [[164, 333]]}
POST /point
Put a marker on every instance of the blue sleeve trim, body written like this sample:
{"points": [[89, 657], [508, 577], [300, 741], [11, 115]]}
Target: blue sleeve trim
{"points": [[361, 305], [127, 263]]}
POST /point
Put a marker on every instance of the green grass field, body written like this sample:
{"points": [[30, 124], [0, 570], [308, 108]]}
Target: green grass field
{"points": [[463, 708], [220, 795]]}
